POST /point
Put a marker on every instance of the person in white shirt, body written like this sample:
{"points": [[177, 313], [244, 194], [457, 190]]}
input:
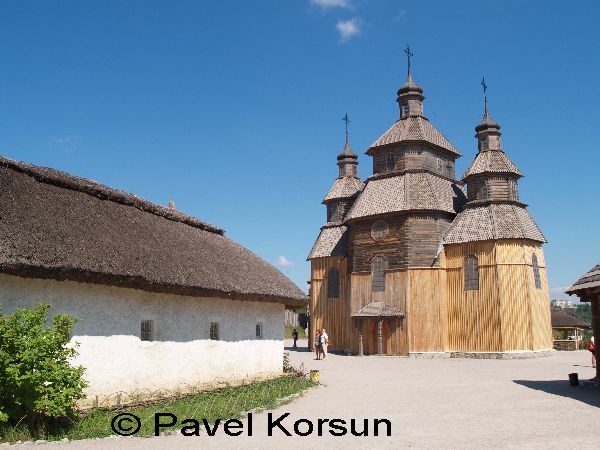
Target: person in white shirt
{"points": [[324, 343]]}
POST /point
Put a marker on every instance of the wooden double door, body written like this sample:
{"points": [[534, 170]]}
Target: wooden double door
{"points": [[393, 339]]}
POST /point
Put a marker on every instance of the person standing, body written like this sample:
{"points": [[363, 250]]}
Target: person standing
{"points": [[295, 337], [324, 343], [318, 344], [592, 348]]}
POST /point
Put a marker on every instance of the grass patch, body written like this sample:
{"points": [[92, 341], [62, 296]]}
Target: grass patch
{"points": [[226, 403], [288, 332]]}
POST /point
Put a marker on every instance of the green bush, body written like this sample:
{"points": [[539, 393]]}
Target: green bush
{"points": [[36, 380]]}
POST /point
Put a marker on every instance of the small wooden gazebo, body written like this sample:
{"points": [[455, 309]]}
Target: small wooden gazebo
{"points": [[564, 321], [379, 311], [587, 288]]}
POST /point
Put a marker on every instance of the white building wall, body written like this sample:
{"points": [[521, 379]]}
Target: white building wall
{"points": [[181, 352]]}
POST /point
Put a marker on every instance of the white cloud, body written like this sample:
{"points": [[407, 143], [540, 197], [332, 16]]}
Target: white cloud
{"points": [[284, 262], [348, 29], [69, 141], [326, 4]]}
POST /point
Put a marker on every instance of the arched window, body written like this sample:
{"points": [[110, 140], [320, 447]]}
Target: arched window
{"points": [[378, 268], [333, 283], [471, 273], [379, 230], [390, 162], [536, 272]]}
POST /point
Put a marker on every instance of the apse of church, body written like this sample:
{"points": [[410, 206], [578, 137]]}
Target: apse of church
{"points": [[416, 262]]}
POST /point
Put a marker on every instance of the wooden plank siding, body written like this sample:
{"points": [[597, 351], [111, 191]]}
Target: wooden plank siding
{"points": [[331, 314], [507, 312]]}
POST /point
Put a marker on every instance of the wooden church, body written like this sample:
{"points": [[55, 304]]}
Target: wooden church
{"points": [[413, 261]]}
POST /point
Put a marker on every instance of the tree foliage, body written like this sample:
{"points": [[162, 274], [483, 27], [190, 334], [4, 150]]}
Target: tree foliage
{"points": [[36, 379]]}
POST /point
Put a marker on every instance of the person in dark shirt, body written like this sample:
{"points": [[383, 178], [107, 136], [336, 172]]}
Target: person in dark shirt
{"points": [[295, 337]]}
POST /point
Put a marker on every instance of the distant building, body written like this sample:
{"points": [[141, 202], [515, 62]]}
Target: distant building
{"points": [[164, 299], [414, 261], [564, 304]]}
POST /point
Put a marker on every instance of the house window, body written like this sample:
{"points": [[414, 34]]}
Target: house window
{"points": [[440, 165], [259, 330], [214, 331], [471, 273], [333, 283], [536, 272], [390, 162], [378, 268], [379, 230], [146, 330]]}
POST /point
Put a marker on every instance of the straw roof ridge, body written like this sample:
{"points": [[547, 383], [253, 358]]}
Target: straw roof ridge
{"points": [[564, 319], [93, 188]]}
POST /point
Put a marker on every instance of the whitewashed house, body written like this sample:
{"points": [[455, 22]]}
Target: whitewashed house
{"points": [[163, 299]]}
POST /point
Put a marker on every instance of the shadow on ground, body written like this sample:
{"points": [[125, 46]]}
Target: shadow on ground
{"points": [[585, 392]]}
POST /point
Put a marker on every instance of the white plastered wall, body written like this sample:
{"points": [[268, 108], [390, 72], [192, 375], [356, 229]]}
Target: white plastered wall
{"points": [[181, 352]]}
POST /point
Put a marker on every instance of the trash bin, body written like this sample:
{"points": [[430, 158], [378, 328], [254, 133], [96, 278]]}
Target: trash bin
{"points": [[574, 379], [314, 376]]}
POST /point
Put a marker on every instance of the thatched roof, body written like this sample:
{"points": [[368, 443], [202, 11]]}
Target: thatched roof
{"points": [[589, 282], [563, 319], [57, 226]]}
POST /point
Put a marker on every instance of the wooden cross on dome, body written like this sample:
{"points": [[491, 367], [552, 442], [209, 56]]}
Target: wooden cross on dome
{"points": [[346, 119], [485, 109], [408, 55]]}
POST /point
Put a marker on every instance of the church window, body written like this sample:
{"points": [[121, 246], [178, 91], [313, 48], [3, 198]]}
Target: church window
{"points": [[146, 330], [378, 268], [440, 165], [405, 110], [259, 330], [334, 212], [379, 230], [390, 162], [214, 331], [471, 273], [514, 191], [483, 193], [536, 272], [333, 283]]}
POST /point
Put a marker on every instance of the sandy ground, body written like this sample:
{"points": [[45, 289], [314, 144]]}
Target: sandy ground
{"points": [[443, 403]]}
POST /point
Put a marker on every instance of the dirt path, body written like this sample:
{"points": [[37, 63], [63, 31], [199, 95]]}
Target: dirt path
{"points": [[430, 403]]}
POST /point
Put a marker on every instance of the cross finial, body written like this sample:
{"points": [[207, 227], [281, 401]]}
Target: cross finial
{"points": [[346, 120], [408, 55], [485, 109]]}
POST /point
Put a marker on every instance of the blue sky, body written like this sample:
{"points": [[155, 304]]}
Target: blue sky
{"points": [[233, 108]]}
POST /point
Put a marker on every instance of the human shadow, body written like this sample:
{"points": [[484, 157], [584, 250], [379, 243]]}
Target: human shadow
{"points": [[585, 392]]}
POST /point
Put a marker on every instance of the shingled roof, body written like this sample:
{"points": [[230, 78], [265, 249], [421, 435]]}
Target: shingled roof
{"points": [[410, 191], [492, 161], [590, 280], [344, 187], [379, 309], [332, 241], [562, 319], [414, 129], [493, 221], [57, 226]]}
